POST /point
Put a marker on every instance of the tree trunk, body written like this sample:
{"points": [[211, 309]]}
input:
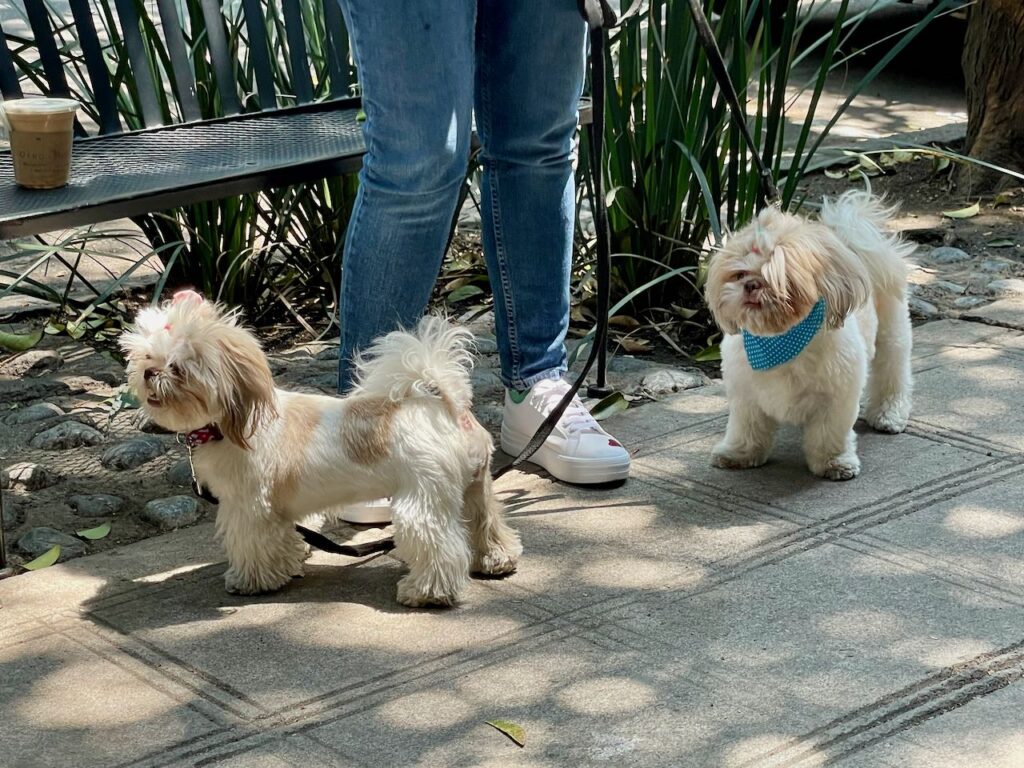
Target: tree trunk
{"points": [[993, 62]]}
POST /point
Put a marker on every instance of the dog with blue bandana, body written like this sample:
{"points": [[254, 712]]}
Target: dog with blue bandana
{"points": [[815, 316]]}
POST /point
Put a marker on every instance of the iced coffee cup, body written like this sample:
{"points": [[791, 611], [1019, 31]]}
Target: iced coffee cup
{"points": [[40, 130]]}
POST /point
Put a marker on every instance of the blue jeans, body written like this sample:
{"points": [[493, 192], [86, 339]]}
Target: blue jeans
{"points": [[424, 68]]}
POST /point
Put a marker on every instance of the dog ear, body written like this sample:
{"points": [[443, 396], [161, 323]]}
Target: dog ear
{"points": [[812, 263], [247, 391], [774, 273], [790, 274], [843, 281], [713, 285], [187, 296]]}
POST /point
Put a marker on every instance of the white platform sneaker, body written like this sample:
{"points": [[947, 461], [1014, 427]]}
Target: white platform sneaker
{"points": [[376, 512], [577, 451]]}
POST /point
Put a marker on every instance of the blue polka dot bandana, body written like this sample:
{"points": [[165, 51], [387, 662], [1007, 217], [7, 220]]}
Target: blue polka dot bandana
{"points": [[767, 352]]}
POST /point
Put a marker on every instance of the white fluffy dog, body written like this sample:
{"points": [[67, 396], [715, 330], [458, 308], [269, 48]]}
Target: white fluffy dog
{"points": [[813, 312], [406, 432]]}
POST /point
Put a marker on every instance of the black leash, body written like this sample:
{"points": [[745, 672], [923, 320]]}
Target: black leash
{"points": [[318, 540]]}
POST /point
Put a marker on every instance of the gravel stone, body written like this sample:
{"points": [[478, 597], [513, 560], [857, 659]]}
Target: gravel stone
{"points": [[172, 512], [1013, 286], [922, 308], [38, 540], [95, 504], [33, 413], [12, 516], [485, 382], [132, 453], [14, 391], [485, 345], [67, 434], [31, 477], [948, 255], [672, 380], [948, 287], [180, 474], [35, 362], [969, 302]]}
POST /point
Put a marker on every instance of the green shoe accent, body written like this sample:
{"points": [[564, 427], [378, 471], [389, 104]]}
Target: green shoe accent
{"points": [[517, 396]]}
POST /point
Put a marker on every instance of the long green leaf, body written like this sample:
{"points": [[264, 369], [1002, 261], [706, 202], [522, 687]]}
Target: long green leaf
{"points": [[93, 534], [19, 342], [45, 560]]}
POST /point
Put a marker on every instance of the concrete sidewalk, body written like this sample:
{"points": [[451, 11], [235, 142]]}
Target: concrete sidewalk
{"points": [[693, 617]]}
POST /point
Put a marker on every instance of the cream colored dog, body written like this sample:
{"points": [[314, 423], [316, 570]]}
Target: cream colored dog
{"points": [[832, 291], [406, 431]]}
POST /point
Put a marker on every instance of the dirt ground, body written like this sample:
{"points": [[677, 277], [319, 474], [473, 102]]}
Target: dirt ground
{"points": [[992, 240], [83, 380]]}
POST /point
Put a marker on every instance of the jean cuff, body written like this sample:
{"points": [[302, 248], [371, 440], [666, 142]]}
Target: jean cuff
{"points": [[553, 374]]}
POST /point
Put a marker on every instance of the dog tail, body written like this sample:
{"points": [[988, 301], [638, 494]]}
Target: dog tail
{"points": [[434, 360], [859, 219]]}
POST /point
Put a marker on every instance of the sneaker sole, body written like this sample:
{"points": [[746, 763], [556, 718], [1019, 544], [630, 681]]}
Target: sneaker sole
{"points": [[566, 468], [366, 515]]}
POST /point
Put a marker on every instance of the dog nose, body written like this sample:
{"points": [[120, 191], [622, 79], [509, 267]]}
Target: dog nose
{"points": [[150, 373], [752, 285]]}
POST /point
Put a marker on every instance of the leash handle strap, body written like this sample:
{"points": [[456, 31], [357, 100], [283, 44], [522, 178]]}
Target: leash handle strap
{"points": [[597, 13], [721, 73], [318, 540]]}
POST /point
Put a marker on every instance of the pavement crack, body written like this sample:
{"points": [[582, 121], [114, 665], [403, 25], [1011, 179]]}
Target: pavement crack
{"points": [[944, 691]]}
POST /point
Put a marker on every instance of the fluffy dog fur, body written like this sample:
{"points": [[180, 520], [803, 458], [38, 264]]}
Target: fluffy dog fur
{"points": [[406, 432], [766, 280]]}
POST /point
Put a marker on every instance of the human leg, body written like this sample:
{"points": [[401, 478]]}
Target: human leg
{"points": [[416, 73]]}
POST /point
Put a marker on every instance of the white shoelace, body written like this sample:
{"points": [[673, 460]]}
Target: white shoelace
{"points": [[576, 417]]}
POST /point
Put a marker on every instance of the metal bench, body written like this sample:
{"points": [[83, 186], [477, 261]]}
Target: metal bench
{"points": [[182, 155], [264, 139]]}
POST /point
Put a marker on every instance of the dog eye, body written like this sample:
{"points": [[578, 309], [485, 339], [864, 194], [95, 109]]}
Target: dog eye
{"points": [[740, 275], [175, 370]]}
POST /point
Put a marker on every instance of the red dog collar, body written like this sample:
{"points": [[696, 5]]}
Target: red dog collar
{"points": [[203, 435]]}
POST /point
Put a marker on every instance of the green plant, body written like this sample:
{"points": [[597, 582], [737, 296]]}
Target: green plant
{"points": [[81, 273], [677, 170], [269, 252]]}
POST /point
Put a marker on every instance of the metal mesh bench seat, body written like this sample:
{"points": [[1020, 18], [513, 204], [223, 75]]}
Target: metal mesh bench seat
{"points": [[127, 174]]}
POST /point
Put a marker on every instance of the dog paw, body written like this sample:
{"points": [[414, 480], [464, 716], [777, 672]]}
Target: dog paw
{"points": [[838, 469], [254, 584], [727, 460], [889, 419], [497, 562], [412, 595]]}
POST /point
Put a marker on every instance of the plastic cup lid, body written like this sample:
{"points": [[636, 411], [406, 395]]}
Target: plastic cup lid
{"points": [[39, 106]]}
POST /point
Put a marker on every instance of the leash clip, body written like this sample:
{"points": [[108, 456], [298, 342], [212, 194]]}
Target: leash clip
{"points": [[197, 488]]}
